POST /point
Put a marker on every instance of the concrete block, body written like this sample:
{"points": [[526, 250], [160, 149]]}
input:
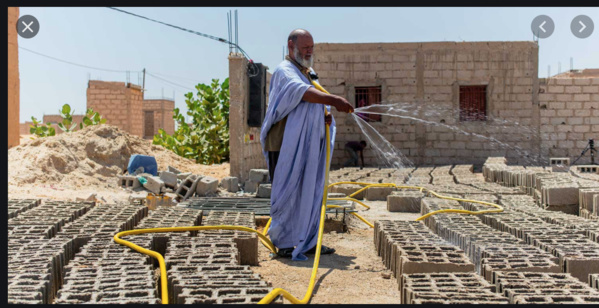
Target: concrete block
{"points": [[169, 178], [404, 203], [378, 193], [154, 184], [183, 175], [128, 181], [263, 191], [188, 187], [230, 183], [173, 170], [348, 189], [259, 175], [250, 186], [139, 195], [207, 185]]}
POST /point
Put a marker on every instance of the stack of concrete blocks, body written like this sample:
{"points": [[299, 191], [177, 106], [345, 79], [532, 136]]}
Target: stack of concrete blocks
{"points": [[408, 247], [559, 164], [36, 258], [207, 271], [256, 178], [247, 243], [588, 203], [404, 201], [104, 272], [17, 206], [481, 240], [448, 288], [230, 183], [544, 288], [552, 232]]}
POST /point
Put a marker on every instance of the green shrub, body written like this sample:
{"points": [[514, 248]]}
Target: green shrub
{"points": [[206, 138]]}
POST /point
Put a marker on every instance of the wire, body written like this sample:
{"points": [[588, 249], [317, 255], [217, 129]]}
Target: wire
{"points": [[76, 64], [222, 40], [170, 82]]}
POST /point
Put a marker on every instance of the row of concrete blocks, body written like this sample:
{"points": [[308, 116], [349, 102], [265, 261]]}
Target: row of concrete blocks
{"points": [[188, 259], [536, 287], [17, 206], [104, 272], [33, 250], [575, 253], [408, 247], [474, 237], [258, 178], [50, 256]]}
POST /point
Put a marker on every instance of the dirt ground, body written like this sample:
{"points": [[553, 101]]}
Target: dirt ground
{"points": [[355, 274]]}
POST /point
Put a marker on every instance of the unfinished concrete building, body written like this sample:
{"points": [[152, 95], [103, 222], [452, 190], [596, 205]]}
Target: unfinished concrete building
{"points": [[487, 88]]}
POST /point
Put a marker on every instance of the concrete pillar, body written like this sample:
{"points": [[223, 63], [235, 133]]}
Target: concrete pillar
{"points": [[13, 78], [244, 141]]}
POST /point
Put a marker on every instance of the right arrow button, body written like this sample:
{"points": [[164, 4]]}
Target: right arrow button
{"points": [[582, 26]]}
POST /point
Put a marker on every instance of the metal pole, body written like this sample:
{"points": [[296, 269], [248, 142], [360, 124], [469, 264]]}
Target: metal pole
{"points": [[236, 32], [143, 87]]}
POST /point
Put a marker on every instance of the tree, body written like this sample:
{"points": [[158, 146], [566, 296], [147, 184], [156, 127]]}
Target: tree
{"points": [[206, 139]]}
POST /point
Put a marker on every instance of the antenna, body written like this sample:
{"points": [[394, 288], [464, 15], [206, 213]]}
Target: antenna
{"points": [[236, 32], [559, 67]]}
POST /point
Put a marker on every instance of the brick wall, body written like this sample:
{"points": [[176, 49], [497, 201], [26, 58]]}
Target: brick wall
{"points": [[24, 128], [163, 114], [429, 75], [119, 103], [13, 78], [246, 153], [569, 116]]}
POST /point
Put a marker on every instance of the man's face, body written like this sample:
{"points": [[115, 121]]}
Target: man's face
{"points": [[303, 50]]}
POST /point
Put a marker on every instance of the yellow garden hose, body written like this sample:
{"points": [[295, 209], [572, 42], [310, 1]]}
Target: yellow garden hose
{"points": [[264, 239]]}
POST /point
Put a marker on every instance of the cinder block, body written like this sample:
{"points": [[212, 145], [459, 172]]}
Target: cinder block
{"points": [[230, 183], [404, 203], [207, 185], [183, 175], [259, 175], [128, 181], [154, 184], [169, 178], [188, 187], [173, 170], [250, 186], [378, 193], [263, 191]]}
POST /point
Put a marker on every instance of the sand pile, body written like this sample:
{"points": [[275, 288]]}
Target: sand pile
{"points": [[91, 156]]}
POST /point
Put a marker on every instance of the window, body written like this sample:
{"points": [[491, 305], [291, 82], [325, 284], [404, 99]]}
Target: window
{"points": [[473, 103], [366, 96]]}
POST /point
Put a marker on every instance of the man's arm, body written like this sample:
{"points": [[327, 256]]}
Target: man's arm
{"points": [[313, 95]]}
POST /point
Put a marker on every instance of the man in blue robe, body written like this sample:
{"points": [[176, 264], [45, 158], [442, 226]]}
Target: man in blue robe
{"points": [[294, 144]]}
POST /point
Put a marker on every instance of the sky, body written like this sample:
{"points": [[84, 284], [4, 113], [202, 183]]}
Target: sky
{"points": [[178, 60]]}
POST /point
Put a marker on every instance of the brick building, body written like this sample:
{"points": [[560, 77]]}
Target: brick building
{"points": [[122, 105], [158, 113]]}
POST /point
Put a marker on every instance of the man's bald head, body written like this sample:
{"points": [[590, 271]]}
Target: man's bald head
{"points": [[300, 45], [298, 33]]}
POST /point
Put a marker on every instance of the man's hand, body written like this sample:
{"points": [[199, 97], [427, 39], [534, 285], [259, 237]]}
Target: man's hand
{"points": [[342, 105], [328, 119]]}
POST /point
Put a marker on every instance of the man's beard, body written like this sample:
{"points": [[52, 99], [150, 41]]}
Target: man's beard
{"points": [[303, 62]]}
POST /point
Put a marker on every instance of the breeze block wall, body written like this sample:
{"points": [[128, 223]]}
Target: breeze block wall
{"points": [[569, 116], [163, 114], [425, 78]]}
